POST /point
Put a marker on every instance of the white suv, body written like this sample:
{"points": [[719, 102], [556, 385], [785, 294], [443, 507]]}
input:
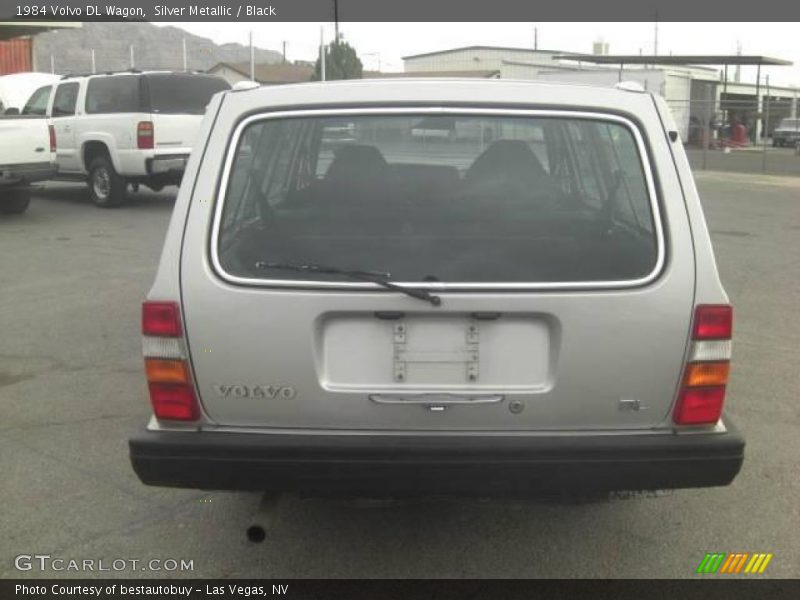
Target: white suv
{"points": [[127, 128]]}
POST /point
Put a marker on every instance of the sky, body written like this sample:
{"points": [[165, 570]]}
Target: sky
{"points": [[381, 45]]}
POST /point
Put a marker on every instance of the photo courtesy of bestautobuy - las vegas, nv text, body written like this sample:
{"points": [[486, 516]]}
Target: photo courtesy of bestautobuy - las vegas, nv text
{"points": [[333, 298]]}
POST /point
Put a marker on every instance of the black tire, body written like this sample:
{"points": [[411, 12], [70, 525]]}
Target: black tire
{"points": [[14, 202], [106, 188]]}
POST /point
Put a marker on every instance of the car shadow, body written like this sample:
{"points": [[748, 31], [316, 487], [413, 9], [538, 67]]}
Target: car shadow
{"points": [[78, 194]]}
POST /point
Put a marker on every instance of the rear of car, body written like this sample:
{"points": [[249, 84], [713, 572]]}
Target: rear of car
{"points": [[787, 133], [129, 128], [25, 154], [536, 308]]}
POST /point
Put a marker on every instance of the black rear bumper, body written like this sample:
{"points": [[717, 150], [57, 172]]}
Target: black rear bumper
{"points": [[21, 175], [482, 464]]}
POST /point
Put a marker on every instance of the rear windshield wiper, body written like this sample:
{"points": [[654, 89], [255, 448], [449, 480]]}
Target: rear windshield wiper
{"points": [[382, 279]]}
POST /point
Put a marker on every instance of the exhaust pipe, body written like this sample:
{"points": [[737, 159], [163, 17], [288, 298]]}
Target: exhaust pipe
{"points": [[263, 519]]}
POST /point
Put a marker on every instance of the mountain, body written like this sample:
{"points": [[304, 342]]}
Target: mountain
{"points": [[153, 48]]}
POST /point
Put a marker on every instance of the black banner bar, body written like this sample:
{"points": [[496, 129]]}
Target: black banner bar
{"points": [[402, 10], [440, 589]]}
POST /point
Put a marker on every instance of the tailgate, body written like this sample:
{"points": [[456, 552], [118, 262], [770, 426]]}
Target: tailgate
{"points": [[175, 133], [267, 359], [562, 309], [24, 140]]}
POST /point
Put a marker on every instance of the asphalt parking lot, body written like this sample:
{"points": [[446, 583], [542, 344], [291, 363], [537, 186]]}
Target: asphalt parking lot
{"points": [[72, 390]]}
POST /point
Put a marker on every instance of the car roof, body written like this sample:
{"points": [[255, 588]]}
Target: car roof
{"points": [[78, 76], [450, 91]]}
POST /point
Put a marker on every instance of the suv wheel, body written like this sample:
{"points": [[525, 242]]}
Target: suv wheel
{"points": [[106, 187], [15, 202]]}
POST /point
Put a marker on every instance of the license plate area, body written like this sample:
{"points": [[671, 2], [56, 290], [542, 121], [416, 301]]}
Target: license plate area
{"points": [[433, 353], [408, 356]]}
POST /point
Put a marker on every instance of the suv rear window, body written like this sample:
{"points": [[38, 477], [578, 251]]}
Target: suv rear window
{"points": [[182, 94], [452, 199]]}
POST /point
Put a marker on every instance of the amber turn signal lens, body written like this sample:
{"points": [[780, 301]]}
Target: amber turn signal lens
{"points": [[166, 371], [706, 373]]}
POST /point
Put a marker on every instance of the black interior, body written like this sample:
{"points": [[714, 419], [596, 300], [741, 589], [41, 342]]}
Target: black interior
{"points": [[506, 219]]}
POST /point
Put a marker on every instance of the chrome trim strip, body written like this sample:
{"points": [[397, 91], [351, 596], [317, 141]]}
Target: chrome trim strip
{"points": [[434, 399], [452, 286]]}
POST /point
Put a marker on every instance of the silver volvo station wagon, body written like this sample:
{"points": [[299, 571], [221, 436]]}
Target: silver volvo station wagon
{"points": [[484, 286]]}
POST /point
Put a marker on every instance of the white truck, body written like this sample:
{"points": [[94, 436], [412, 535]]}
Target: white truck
{"points": [[130, 128], [26, 150]]}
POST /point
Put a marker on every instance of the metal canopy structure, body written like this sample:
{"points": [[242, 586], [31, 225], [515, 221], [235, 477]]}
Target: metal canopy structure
{"points": [[676, 59], [686, 60]]}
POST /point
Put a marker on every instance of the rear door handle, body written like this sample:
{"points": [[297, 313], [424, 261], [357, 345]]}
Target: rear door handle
{"points": [[436, 399]]}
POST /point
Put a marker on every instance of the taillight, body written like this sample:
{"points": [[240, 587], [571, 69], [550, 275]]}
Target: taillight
{"points": [[145, 135], [702, 394], [173, 402], [52, 131], [168, 377], [713, 322], [161, 319]]}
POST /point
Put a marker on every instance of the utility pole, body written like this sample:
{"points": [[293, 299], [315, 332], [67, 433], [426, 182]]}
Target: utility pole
{"points": [[322, 54], [336, 20], [737, 75], [252, 60], [185, 58], [535, 38], [655, 37], [766, 130], [133, 62], [284, 51], [94, 64]]}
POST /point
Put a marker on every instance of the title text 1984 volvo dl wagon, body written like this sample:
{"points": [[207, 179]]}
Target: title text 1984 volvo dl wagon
{"points": [[485, 286]]}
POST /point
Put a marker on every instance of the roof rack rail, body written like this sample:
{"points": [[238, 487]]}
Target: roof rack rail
{"points": [[71, 75]]}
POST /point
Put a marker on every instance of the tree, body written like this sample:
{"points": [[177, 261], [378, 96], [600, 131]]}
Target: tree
{"points": [[341, 62]]}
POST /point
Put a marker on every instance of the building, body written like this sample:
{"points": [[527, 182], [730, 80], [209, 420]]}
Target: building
{"points": [[265, 74], [484, 58], [697, 90], [17, 44]]}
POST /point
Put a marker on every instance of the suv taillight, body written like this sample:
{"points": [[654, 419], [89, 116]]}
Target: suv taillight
{"points": [[702, 392], [168, 377], [145, 135], [52, 131]]}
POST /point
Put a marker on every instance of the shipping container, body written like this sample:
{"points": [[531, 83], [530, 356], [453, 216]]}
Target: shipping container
{"points": [[16, 56]]}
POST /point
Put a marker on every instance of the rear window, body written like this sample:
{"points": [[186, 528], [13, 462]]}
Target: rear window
{"points": [[115, 94], [37, 103], [450, 199], [179, 94]]}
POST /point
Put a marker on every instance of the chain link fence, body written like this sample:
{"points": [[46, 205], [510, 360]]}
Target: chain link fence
{"points": [[736, 132]]}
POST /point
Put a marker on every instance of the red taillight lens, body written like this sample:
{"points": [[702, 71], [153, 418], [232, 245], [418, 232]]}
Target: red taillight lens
{"points": [[713, 322], [175, 402], [161, 319], [700, 405], [145, 135], [52, 131]]}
